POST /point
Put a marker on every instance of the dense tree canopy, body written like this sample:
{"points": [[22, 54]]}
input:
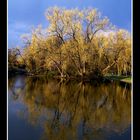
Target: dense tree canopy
{"points": [[76, 43]]}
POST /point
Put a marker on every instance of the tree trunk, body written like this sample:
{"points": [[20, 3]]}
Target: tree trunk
{"points": [[109, 66]]}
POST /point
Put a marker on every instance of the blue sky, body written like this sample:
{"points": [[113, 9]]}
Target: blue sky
{"points": [[23, 14]]}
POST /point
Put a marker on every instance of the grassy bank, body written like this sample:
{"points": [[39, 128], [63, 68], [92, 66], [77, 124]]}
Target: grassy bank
{"points": [[126, 79]]}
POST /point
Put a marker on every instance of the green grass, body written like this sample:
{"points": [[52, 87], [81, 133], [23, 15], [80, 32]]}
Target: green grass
{"points": [[126, 79]]}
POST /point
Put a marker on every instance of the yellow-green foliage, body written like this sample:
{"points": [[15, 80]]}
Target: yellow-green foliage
{"points": [[78, 42]]}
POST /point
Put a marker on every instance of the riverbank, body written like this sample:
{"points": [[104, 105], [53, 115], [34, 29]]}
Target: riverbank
{"points": [[17, 71], [126, 79]]}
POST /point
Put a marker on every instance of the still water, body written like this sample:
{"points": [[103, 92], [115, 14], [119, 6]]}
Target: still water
{"points": [[42, 109]]}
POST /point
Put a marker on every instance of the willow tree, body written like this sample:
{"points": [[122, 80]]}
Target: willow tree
{"points": [[123, 47], [75, 30], [32, 54], [78, 43], [93, 22], [117, 52]]}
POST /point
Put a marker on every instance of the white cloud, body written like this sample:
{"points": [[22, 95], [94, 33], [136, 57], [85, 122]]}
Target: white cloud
{"points": [[106, 33]]}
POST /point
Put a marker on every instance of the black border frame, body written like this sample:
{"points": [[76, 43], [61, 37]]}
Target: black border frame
{"points": [[136, 68], [3, 69]]}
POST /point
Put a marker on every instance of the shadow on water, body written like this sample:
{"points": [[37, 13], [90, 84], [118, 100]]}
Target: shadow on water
{"points": [[71, 110]]}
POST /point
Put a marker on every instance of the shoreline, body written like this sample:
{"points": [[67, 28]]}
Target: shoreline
{"points": [[125, 79]]}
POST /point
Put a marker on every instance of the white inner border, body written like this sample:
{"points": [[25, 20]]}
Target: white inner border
{"points": [[7, 69], [132, 70]]}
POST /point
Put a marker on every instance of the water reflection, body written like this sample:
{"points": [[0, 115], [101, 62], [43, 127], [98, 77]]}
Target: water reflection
{"points": [[71, 110]]}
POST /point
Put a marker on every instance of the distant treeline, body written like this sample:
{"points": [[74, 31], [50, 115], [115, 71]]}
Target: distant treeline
{"points": [[77, 43]]}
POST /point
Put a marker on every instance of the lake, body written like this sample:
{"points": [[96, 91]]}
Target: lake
{"points": [[48, 109]]}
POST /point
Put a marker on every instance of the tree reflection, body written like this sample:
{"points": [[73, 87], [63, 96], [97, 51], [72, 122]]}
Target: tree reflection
{"points": [[75, 110]]}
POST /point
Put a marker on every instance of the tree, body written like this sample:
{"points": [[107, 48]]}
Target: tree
{"points": [[77, 43]]}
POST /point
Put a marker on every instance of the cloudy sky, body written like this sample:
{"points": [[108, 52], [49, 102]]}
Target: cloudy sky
{"points": [[24, 14]]}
